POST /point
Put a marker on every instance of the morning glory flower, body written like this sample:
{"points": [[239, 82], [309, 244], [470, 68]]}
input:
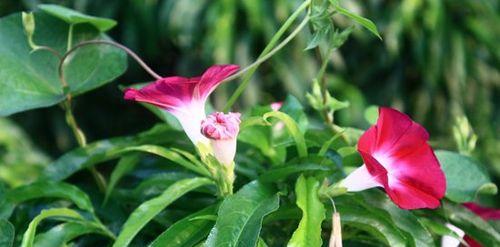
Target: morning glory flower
{"points": [[184, 97], [398, 158]]}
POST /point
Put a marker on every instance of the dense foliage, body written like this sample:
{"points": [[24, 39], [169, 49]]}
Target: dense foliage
{"points": [[80, 166]]}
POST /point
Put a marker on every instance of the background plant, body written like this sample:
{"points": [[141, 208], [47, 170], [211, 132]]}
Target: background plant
{"points": [[437, 61]]}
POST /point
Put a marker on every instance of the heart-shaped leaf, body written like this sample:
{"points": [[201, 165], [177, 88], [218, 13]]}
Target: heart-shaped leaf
{"points": [[29, 79]]}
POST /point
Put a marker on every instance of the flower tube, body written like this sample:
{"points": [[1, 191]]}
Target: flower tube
{"points": [[398, 158]]}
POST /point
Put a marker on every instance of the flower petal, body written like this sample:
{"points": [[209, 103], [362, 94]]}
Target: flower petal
{"points": [[397, 132], [368, 140], [416, 180], [483, 212], [168, 93], [213, 77]]}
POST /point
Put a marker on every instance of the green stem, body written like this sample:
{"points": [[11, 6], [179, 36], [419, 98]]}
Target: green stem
{"points": [[70, 37], [267, 50], [82, 141], [104, 42]]}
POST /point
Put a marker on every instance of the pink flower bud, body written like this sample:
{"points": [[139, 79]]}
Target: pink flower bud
{"points": [[276, 106], [222, 130]]}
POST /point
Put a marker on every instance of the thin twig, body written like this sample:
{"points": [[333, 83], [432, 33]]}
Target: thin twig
{"points": [[49, 49], [267, 50], [106, 42]]}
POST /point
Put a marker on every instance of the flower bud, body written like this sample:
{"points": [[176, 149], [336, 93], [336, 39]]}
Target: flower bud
{"points": [[222, 130]]}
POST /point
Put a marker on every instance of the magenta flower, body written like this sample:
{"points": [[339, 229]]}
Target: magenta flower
{"points": [[184, 97], [222, 130], [398, 158], [276, 106]]}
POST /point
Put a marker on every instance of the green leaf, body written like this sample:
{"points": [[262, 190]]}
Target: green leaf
{"points": [[6, 207], [50, 189], [292, 107], [375, 221], [6, 233], [188, 231], [100, 151], [149, 209], [124, 166], [29, 79], [72, 17], [438, 227], [464, 176], [308, 232], [170, 155], [240, 216], [29, 235], [471, 224], [357, 18], [276, 174], [61, 235], [293, 128], [403, 219]]}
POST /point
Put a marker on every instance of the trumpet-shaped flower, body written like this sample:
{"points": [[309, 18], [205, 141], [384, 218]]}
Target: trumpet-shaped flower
{"points": [[184, 97], [222, 130], [398, 158]]}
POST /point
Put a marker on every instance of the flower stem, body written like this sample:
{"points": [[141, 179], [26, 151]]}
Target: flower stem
{"points": [[70, 37], [267, 53], [105, 42], [82, 141]]}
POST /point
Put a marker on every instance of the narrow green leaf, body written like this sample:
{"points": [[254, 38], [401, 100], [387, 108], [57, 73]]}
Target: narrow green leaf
{"points": [[73, 17], [471, 224], [188, 231], [283, 172], [378, 223], [418, 235], [359, 19], [149, 209], [61, 235], [308, 232], [7, 233], [240, 216], [464, 176], [29, 235], [170, 155], [124, 166], [104, 150], [293, 128], [50, 189]]}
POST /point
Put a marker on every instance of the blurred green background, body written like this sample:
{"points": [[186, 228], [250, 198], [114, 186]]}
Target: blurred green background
{"points": [[439, 61]]}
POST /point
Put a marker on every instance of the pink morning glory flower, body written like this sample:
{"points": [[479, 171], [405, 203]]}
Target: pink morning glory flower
{"points": [[222, 131], [184, 97], [398, 158]]}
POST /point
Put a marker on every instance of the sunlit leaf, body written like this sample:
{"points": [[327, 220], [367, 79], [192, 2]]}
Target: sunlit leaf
{"points": [[149, 209], [50, 190], [308, 232], [29, 235], [240, 216], [188, 231], [73, 17]]}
